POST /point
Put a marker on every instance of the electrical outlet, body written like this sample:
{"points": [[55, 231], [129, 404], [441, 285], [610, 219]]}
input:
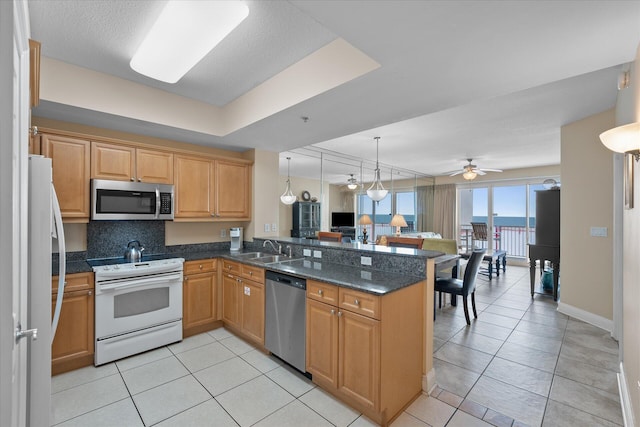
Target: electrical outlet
{"points": [[274, 227], [306, 252], [267, 228], [317, 254], [365, 275], [223, 232], [365, 260]]}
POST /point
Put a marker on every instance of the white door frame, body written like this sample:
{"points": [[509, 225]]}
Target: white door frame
{"points": [[14, 124]]}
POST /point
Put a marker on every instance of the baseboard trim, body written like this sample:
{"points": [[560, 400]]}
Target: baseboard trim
{"points": [[625, 399], [429, 381], [585, 316]]}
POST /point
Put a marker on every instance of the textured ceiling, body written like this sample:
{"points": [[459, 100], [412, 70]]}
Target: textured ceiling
{"points": [[491, 80]]}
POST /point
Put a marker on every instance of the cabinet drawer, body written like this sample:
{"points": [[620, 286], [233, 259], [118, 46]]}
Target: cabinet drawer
{"points": [[74, 282], [253, 273], [230, 267], [200, 266], [360, 302], [323, 292]]}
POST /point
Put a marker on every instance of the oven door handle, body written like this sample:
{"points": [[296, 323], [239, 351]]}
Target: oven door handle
{"points": [[140, 283]]}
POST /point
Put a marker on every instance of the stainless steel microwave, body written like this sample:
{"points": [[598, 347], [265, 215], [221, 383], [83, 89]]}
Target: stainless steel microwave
{"points": [[113, 200]]}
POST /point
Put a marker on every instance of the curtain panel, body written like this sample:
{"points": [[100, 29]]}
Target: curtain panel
{"points": [[444, 213]]}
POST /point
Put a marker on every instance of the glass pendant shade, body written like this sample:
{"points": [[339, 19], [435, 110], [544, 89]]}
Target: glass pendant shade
{"points": [[352, 183], [287, 197], [623, 139], [377, 192]]}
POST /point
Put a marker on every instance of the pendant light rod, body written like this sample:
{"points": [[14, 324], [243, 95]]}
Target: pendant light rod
{"points": [[377, 192]]}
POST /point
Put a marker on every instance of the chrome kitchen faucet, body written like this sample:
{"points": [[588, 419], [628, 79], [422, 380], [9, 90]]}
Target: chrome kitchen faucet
{"points": [[279, 250]]}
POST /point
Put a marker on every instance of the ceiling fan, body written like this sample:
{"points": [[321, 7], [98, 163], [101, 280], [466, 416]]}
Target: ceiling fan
{"points": [[470, 171]]}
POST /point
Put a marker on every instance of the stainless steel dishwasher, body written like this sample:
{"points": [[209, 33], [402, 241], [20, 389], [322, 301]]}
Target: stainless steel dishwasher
{"points": [[285, 316]]}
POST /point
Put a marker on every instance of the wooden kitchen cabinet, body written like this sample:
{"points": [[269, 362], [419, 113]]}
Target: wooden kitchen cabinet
{"points": [[210, 190], [243, 300], [366, 349], [128, 163], [71, 171], [199, 296], [73, 345]]}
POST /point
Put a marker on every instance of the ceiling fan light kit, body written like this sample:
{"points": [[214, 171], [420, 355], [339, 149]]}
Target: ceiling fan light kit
{"points": [[352, 183], [377, 192], [471, 171], [183, 34]]}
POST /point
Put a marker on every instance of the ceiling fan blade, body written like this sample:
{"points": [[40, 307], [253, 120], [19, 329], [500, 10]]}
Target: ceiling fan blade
{"points": [[455, 173], [491, 170], [479, 171]]}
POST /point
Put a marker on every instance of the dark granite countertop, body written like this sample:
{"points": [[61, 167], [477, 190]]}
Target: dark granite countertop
{"points": [[367, 280], [364, 279]]}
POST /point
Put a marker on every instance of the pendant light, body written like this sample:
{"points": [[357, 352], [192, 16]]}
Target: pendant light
{"points": [[287, 197], [377, 192]]}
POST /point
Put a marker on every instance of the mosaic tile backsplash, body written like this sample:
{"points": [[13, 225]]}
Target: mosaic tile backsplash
{"points": [[107, 239]]}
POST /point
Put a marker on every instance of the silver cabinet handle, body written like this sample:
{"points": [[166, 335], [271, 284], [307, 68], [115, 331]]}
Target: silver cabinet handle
{"points": [[333, 311], [319, 291], [133, 179], [186, 278], [213, 214], [200, 266], [90, 293], [339, 314], [356, 302], [139, 179]]}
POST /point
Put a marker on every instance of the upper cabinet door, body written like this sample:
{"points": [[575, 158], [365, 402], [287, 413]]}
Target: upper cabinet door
{"points": [[233, 186], [110, 161], [154, 166], [70, 161], [193, 187]]}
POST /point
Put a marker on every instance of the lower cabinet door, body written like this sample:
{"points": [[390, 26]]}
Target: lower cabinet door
{"points": [[359, 358], [74, 335], [230, 300], [253, 309], [199, 299], [322, 342]]}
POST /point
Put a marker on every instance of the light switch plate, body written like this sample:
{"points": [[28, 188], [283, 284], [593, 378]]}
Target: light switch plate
{"points": [[267, 228], [306, 252], [599, 231], [223, 232], [317, 254], [365, 260], [274, 227]]}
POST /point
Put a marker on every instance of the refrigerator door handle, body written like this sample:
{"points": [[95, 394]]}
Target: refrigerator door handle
{"points": [[62, 259]]}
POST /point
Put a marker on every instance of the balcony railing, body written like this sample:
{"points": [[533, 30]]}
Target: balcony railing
{"points": [[512, 239]]}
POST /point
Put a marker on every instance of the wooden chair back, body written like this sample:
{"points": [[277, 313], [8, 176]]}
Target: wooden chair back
{"points": [[405, 242], [330, 236]]}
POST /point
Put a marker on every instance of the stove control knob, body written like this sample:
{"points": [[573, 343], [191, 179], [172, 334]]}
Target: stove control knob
{"points": [[116, 267], [106, 268]]}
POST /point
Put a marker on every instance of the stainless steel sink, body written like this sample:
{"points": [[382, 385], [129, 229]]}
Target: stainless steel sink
{"points": [[249, 255], [273, 258]]}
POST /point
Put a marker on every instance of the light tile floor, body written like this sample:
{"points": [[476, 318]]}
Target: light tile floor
{"points": [[520, 363]]}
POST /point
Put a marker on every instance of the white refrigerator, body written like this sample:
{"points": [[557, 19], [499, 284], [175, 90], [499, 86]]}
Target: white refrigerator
{"points": [[45, 224]]}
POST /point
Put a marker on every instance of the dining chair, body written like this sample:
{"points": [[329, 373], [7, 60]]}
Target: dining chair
{"points": [[465, 286], [479, 233], [330, 236], [404, 242]]}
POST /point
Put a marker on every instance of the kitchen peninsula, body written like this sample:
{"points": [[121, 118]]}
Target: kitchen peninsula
{"points": [[369, 327]]}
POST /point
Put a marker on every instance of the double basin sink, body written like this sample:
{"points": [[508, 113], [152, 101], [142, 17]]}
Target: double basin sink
{"points": [[264, 258]]}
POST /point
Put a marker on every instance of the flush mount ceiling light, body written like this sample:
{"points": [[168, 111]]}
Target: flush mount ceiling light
{"points": [[183, 34], [377, 192], [623, 139], [352, 183], [287, 197]]}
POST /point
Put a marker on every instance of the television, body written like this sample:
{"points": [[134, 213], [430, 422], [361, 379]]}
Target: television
{"points": [[342, 219]]}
